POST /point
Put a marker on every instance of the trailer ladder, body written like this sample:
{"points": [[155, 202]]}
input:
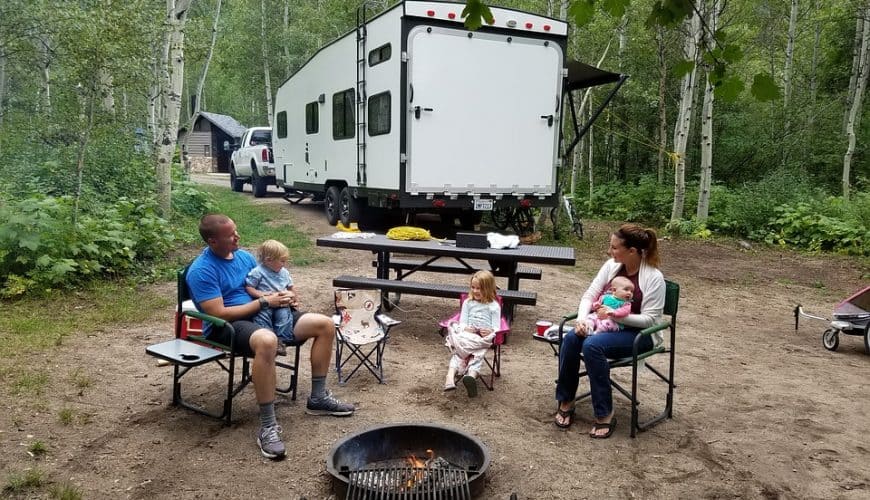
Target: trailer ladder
{"points": [[361, 97]]}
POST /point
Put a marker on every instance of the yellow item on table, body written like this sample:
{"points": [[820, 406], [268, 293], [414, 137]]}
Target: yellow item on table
{"points": [[408, 233], [352, 229]]}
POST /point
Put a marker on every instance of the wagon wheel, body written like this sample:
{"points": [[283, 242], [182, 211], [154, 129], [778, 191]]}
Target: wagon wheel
{"points": [[867, 339], [831, 339]]}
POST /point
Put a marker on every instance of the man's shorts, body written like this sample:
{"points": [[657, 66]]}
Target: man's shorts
{"points": [[244, 329]]}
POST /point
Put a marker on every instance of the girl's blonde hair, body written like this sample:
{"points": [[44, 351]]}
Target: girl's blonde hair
{"points": [[272, 249], [487, 285]]}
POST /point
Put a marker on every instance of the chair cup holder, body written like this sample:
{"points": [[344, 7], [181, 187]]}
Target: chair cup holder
{"points": [[189, 357]]}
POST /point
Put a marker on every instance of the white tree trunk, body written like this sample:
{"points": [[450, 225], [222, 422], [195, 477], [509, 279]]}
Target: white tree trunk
{"points": [[107, 91], [703, 208], [663, 110], [684, 116], [197, 100], [789, 57], [42, 45], [266, 78], [2, 86], [287, 69], [856, 65], [176, 17], [861, 85], [153, 98]]}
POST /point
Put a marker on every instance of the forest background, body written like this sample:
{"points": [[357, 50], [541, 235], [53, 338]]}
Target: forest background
{"points": [[740, 118]]}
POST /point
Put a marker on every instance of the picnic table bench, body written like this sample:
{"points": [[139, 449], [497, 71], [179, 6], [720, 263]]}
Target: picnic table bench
{"points": [[429, 289]]}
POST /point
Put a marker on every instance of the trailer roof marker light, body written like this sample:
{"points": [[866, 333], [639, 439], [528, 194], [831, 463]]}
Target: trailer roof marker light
{"points": [[430, 13], [491, 21], [511, 23], [529, 26], [546, 27], [525, 203], [451, 15]]}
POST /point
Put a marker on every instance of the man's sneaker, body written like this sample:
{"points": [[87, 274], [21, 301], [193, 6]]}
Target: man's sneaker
{"points": [[328, 405], [282, 348], [270, 442]]}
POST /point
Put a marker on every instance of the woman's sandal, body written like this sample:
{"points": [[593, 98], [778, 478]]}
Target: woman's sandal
{"points": [[567, 416], [601, 425]]}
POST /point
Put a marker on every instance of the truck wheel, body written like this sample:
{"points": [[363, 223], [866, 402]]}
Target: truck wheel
{"points": [[348, 208], [258, 184], [236, 184], [330, 204]]}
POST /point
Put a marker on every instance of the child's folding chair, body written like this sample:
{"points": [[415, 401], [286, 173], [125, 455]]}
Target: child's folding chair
{"points": [[361, 333], [494, 364]]}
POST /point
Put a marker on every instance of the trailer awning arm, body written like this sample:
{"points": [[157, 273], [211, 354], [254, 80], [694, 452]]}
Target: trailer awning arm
{"points": [[582, 76]]}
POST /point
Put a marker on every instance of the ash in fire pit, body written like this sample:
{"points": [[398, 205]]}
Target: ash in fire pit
{"points": [[408, 460]]}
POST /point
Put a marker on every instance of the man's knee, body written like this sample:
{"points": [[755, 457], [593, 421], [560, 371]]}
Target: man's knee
{"points": [[263, 341]]}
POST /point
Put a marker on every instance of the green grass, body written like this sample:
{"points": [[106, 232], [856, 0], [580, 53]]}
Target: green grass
{"points": [[65, 416], [35, 324], [81, 380], [37, 448], [65, 492], [29, 384], [19, 483]]}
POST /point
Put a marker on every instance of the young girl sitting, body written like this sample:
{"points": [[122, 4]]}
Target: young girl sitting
{"points": [[470, 338]]}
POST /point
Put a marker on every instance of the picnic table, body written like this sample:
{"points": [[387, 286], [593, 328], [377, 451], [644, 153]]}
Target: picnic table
{"points": [[443, 256]]}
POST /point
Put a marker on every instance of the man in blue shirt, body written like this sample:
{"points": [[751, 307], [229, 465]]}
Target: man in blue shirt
{"points": [[216, 280]]}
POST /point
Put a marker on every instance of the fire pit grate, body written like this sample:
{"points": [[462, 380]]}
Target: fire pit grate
{"points": [[388, 483]]}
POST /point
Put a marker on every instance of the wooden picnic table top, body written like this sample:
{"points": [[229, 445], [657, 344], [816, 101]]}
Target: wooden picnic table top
{"points": [[541, 254]]}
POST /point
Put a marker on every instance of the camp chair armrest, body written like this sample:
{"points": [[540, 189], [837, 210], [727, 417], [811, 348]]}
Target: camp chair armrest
{"points": [[655, 328], [205, 317], [565, 319]]}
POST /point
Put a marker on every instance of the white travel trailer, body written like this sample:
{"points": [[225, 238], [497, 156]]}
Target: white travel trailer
{"points": [[413, 112]]}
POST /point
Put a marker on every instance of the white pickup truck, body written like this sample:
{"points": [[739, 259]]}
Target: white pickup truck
{"points": [[252, 162]]}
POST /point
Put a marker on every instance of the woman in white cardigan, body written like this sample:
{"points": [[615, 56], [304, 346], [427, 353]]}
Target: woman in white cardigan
{"points": [[634, 254]]}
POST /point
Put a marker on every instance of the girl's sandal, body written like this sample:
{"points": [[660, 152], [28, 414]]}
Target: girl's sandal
{"points": [[566, 416]]}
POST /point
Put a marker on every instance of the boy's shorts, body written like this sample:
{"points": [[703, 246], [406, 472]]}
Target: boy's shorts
{"points": [[244, 329]]}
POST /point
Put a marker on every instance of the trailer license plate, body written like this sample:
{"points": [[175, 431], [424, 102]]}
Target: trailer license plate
{"points": [[481, 204]]}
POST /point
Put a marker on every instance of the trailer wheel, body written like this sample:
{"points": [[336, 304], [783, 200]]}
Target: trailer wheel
{"points": [[258, 184], [831, 339], [330, 204], [236, 184], [348, 208]]}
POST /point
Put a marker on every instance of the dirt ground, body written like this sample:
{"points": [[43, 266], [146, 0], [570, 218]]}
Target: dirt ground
{"points": [[761, 411]]}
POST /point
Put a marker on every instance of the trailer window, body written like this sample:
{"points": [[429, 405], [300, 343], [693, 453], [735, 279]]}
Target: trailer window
{"points": [[343, 122], [281, 120], [312, 119], [379, 114], [380, 54]]}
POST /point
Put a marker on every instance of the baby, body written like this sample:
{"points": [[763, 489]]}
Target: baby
{"points": [[614, 304], [271, 276]]}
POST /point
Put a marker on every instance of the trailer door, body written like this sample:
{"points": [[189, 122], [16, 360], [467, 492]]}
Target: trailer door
{"points": [[483, 112]]}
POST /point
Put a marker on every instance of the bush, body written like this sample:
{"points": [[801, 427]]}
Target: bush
{"points": [[40, 248], [647, 202], [830, 225]]}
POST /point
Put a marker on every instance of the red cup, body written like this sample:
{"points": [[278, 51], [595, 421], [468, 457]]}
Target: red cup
{"points": [[542, 326]]}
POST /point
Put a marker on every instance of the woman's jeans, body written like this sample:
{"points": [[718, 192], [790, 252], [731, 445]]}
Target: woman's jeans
{"points": [[596, 350]]}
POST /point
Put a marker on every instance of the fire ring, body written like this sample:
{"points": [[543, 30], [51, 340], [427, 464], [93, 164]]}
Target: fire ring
{"points": [[386, 447]]}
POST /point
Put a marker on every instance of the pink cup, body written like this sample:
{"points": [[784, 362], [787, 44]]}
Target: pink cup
{"points": [[542, 326]]}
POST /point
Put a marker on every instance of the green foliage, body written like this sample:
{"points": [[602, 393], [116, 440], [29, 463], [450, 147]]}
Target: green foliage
{"points": [[764, 88], [475, 14], [745, 211], [582, 11], [42, 246], [65, 416], [830, 224], [191, 201], [646, 201], [669, 13]]}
